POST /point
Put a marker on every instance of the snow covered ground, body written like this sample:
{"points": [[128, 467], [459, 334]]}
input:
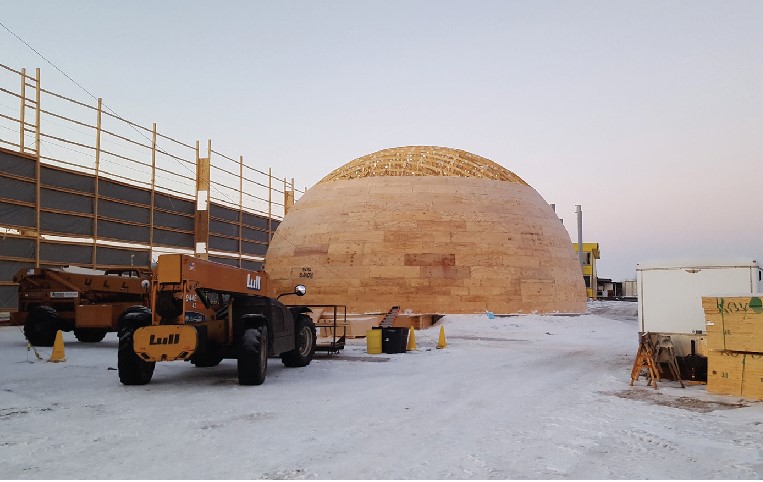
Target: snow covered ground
{"points": [[530, 396]]}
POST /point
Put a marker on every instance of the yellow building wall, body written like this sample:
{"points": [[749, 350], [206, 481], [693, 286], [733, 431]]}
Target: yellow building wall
{"points": [[589, 269]]}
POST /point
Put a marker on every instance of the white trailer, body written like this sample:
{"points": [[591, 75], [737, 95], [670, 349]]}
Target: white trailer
{"points": [[670, 300], [630, 289]]}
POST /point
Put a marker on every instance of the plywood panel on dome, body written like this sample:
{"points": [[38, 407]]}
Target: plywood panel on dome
{"points": [[432, 243]]}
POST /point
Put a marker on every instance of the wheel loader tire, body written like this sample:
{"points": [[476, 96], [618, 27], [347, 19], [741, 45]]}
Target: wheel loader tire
{"points": [[132, 369], [90, 335], [206, 360], [304, 349], [253, 356], [41, 326]]}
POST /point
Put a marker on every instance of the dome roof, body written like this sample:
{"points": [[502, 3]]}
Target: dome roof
{"points": [[430, 229], [422, 161]]}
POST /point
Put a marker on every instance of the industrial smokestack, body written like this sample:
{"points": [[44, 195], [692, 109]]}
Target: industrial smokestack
{"points": [[579, 212]]}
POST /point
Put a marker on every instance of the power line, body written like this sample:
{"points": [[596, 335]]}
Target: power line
{"points": [[162, 151], [133, 127], [48, 61]]}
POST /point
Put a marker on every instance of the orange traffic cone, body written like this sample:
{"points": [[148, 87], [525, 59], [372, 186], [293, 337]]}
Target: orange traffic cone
{"points": [[411, 340], [58, 349], [441, 343]]}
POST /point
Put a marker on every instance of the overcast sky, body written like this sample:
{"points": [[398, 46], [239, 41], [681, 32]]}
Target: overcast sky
{"points": [[648, 114]]}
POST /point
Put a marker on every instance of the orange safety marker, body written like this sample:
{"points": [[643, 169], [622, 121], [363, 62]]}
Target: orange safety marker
{"points": [[58, 349], [411, 340], [441, 343]]}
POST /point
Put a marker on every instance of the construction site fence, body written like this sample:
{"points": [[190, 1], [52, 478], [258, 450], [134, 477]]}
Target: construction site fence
{"points": [[80, 185]]}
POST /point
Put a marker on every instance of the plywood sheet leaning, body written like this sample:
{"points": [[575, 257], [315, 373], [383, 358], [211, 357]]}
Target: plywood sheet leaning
{"points": [[433, 230], [734, 323], [358, 323], [752, 376]]}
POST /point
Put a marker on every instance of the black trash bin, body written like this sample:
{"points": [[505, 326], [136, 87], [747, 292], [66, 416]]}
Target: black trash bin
{"points": [[394, 340], [403, 340]]}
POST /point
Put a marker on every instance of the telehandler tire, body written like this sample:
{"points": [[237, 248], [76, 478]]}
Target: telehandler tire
{"points": [[41, 326], [302, 354], [132, 369], [122, 321], [90, 335], [253, 356]]}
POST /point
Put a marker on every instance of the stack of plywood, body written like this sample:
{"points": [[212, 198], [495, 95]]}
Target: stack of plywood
{"points": [[735, 344], [358, 323]]}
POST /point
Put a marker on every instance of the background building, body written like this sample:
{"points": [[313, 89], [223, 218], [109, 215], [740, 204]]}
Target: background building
{"points": [[590, 255]]}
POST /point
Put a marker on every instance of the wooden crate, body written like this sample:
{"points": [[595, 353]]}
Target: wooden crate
{"points": [[724, 372], [734, 323]]}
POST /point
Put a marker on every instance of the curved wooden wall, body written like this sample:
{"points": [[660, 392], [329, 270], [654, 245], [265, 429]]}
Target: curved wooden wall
{"points": [[429, 244]]}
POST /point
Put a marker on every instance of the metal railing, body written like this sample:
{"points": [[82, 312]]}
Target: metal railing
{"points": [[51, 131], [65, 132]]}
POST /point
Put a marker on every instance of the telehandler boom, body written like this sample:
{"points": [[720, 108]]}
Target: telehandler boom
{"points": [[90, 302]]}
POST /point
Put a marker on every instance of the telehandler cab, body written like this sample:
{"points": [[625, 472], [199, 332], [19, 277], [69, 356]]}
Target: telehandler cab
{"points": [[204, 312]]}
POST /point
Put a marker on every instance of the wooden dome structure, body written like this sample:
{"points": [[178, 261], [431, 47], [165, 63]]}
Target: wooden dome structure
{"points": [[430, 229]]}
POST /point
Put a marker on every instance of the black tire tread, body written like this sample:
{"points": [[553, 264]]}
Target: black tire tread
{"points": [[41, 326], [132, 369], [252, 365], [294, 358]]}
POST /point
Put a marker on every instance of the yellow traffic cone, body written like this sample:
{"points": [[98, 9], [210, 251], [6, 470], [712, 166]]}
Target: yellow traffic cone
{"points": [[441, 343], [58, 349], [411, 340]]}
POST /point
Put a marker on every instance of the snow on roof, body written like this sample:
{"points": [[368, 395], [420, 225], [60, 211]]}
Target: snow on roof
{"points": [[699, 263]]}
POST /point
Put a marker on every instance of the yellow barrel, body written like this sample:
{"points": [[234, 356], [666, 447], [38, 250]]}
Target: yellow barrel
{"points": [[374, 342]]}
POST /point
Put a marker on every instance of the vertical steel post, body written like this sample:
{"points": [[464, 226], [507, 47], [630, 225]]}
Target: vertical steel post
{"points": [[97, 181], [240, 211], [153, 195], [38, 167], [37, 112], [288, 196], [201, 230], [22, 117], [270, 205]]}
